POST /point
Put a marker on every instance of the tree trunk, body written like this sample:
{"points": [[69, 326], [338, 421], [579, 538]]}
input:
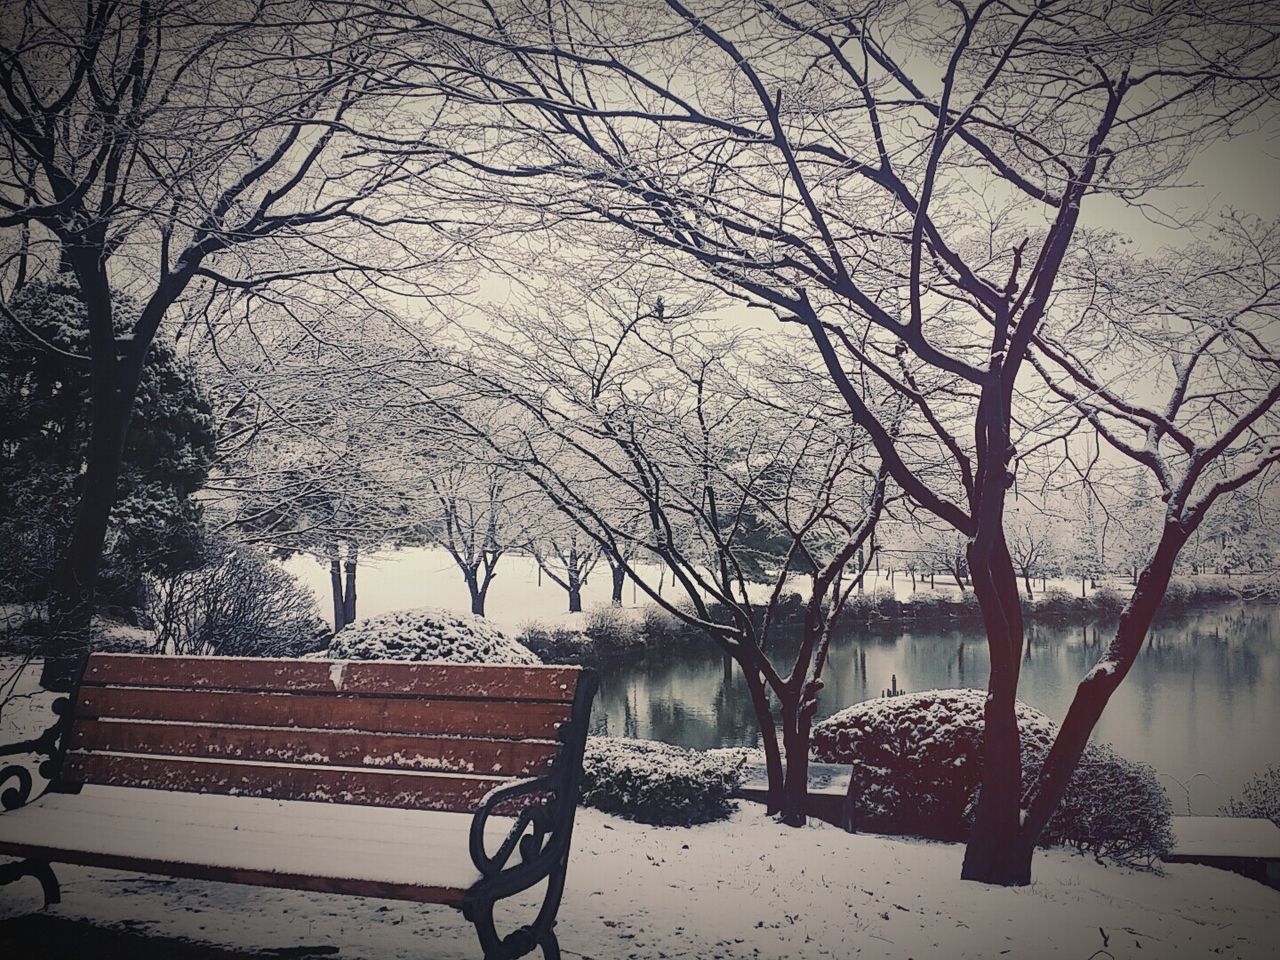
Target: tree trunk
{"points": [[1026, 578], [113, 385], [990, 854], [1095, 690], [795, 742], [477, 594], [768, 738], [575, 585], [619, 580], [349, 597], [335, 584]]}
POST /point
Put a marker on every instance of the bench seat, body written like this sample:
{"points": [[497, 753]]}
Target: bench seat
{"points": [[369, 851]]}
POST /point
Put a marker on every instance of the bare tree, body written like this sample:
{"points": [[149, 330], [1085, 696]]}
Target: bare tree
{"points": [[1204, 321], [166, 150], [567, 558], [482, 513], [315, 456], [903, 181], [742, 496]]}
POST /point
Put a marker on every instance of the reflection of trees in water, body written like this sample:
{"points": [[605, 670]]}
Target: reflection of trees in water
{"points": [[686, 696]]}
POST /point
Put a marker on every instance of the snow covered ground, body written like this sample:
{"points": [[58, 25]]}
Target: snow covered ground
{"points": [[747, 888]]}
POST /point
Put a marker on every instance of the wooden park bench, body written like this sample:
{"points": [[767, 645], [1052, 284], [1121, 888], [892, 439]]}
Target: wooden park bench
{"points": [[431, 782]]}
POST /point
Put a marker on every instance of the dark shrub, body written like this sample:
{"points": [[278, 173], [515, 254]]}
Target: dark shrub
{"points": [[238, 603], [1056, 603], [1113, 808], [928, 605], [557, 644], [656, 783], [1108, 600], [611, 630], [877, 604], [660, 628]]}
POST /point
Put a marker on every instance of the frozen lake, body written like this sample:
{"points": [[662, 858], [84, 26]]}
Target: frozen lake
{"points": [[1202, 704]]}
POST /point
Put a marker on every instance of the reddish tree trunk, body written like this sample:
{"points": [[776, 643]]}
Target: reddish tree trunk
{"points": [[1095, 690]]}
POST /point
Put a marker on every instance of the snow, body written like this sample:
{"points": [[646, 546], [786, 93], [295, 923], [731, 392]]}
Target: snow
{"points": [[745, 888], [428, 634], [289, 837], [1225, 837]]}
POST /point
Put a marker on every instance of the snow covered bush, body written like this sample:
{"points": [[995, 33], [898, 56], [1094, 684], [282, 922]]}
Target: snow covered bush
{"points": [[428, 634], [917, 765], [1055, 603], [1108, 600], [1113, 808], [660, 627], [1260, 797], [611, 630], [237, 603], [556, 644], [917, 757], [874, 604], [657, 783]]}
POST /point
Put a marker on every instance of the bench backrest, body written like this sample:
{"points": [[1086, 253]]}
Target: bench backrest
{"points": [[378, 733]]}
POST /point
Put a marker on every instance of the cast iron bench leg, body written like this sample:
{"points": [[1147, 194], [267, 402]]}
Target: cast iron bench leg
{"points": [[40, 870]]}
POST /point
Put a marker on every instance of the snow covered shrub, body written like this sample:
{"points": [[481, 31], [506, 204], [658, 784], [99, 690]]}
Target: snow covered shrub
{"points": [[611, 630], [925, 603], [660, 627], [237, 603], [112, 637], [917, 757], [657, 783], [1260, 797], [917, 767], [1056, 602], [556, 644], [428, 634], [1108, 600], [876, 604], [1113, 808]]}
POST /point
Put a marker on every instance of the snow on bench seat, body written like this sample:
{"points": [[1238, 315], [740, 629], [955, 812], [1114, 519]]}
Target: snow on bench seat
{"points": [[1225, 837], [376, 851]]}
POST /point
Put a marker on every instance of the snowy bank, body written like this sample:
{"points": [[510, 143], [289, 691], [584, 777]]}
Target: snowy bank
{"points": [[742, 888]]}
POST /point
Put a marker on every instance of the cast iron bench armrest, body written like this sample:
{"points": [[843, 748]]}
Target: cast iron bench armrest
{"points": [[51, 744], [534, 824]]}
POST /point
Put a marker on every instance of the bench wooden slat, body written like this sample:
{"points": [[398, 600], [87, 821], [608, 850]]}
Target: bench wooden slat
{"points": [[435, 680], [517, 758], [421, 791], [482, 718]]}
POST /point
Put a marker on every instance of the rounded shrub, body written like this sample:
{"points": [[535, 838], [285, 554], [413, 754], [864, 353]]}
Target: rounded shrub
{"points": [[917, 757], [657, 783], [1057, 603], [1113, 808], [428, 634], [917, 767]]}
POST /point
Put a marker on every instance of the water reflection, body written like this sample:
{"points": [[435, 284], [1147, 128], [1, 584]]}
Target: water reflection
{"points": [[1201, 705]]}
